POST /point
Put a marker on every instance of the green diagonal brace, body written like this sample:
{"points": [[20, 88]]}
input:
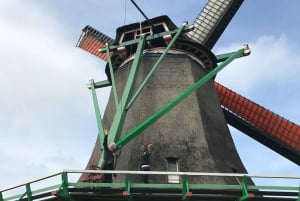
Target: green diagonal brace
{"points": [[156, 65], [111, 71], [120, 115], [141, 127], [98, 114], [223, 57]]}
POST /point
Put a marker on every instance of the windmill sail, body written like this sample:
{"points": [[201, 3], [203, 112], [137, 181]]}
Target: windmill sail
{"points": [[261, 124], [91, 40], [212, 21]]}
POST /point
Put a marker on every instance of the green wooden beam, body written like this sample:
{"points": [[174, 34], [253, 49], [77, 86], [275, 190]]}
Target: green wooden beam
{"points": [[111, 71], [148, 38], [98, 114], [141, 127], [223, 57], [121, 111], [156, 65], [100, 84]]}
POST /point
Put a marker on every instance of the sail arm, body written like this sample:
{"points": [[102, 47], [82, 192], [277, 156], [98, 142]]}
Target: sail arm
{"points": [[270, 129]]}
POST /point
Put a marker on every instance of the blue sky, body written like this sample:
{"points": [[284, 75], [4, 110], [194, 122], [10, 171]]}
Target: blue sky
{"points": [[47, 120]]}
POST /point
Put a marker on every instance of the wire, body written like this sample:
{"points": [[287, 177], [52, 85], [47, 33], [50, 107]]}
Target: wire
{"points": [[140, 18], [125, 11]]}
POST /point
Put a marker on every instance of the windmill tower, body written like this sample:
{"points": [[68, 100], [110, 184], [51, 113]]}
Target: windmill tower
{"points": [[159, 66]]}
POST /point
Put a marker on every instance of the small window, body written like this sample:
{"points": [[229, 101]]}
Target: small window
{"points": [[127, 36], [145, 31], [173, 167]]}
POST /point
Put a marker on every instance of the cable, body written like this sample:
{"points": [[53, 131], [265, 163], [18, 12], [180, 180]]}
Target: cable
{"points": [[140, 18], [125, 11]]}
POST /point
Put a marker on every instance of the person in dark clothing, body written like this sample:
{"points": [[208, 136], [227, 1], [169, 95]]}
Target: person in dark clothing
{"points": [[109, 158], [145, 165]]}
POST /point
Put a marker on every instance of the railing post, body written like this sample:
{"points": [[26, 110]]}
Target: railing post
{"points": [[1, 197], [127, 193], [63, 189], [65, 183], [28, 192], [246, 194], [185, 188]]}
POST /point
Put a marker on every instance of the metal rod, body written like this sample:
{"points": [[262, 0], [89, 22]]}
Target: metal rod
{"points": [[142, 13]]}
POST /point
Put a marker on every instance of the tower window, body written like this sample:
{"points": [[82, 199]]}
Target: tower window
{"points": [[173, 167]]}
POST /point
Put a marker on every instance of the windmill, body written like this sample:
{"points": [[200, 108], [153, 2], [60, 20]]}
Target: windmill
{"points": [[252, 119]]}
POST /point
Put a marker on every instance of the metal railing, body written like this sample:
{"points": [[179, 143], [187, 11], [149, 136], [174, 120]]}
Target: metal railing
{"points": [[63, 187]]}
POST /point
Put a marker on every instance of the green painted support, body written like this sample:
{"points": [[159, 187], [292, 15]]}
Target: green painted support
{"points": [[1, 197], [120, 115], [156, 65], [63, 189], [101, 84], [245, 195], [298, 194], [111, 71], [141, 127], [28, 192], [185, 188], [98, 114], [127, 188], [223, 57], [148, 38]]}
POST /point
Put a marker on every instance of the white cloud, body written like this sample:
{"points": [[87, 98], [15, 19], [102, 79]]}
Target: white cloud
{"points": [[45, 105], [271, 61]]}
